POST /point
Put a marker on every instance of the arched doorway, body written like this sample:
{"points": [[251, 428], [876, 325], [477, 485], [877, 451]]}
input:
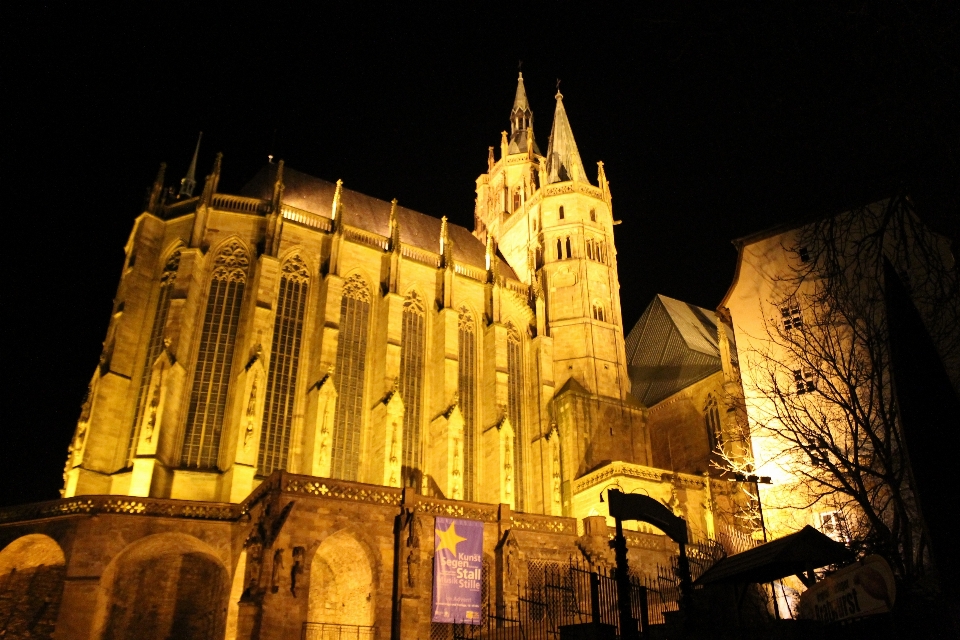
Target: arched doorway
{"points": [[342, 589], [167, 585], [32, 570]]}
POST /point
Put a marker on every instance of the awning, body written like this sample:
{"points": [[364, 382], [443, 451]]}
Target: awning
{"points": [[804, 550]]}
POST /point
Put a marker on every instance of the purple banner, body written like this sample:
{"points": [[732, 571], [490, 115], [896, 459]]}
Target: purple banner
{"points": [[457, 569]]}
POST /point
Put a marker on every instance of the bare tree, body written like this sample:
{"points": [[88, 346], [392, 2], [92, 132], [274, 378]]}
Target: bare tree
{"points": [[825, 380]]}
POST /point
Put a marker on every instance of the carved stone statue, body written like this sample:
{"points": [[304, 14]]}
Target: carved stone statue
{"points": [[277, 568], [297, 568]]}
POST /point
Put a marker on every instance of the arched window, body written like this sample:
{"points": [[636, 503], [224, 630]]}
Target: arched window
{"points": [[349, 377], [211, 377], [515, 405], [590, 249], [598, 312], [516, 198], [284, 367], [154, 347], [559, 249], [467, 389], [412, 339], [711, 419], [569, 251], [561, 213]]}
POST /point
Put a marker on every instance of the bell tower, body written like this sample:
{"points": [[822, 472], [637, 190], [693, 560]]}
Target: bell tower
{"points": [[555, 230]]}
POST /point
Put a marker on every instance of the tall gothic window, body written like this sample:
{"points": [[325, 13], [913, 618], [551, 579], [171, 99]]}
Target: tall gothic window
{"points": [[284, 366], [154, 347], [514, 405], [559, 249], [211, 377], [412, 340], [467, 389], [349, 376], [711, 418]]}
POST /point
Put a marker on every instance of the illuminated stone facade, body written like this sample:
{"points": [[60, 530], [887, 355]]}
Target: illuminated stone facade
{"points": [[297, 378]]}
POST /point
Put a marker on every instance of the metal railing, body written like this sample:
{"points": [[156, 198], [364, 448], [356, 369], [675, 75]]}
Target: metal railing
{"points": [[330, 631]]}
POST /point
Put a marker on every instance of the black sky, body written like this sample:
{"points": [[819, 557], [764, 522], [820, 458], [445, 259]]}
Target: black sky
{"points": [[712, 121]]}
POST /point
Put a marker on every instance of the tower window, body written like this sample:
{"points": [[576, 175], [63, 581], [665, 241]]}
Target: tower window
{"points": [[559, 249], [598, 312], [593, 215], [561, 213], [590, 249], [804, 254], [569, 251], [516, 199]]}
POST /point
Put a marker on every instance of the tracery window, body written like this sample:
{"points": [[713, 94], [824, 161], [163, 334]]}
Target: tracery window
{"points": [[515, 406], [211, 377], [349, 377], [467, 390], [711, 419], [412, 342], [284, 367], [154, 348]]}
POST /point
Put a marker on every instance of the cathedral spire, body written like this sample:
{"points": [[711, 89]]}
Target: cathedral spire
{"points": [[189, 182], [521, 122], [394, 227], [563, 158], [156, 192]]}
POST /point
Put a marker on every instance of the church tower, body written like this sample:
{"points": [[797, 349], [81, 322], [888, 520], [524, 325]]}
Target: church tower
{"points": [[555, 229]]}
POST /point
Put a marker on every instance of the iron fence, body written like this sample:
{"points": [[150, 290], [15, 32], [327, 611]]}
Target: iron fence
{"points": [[328, 631]]}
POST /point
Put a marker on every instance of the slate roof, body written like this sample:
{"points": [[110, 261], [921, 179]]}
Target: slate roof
{"points": [[563, 158], [371, 214], [673, 345]]}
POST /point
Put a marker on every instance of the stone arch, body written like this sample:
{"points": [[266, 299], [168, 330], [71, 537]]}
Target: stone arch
{"points": [[32, 571], [167, 585], [343, 582]]}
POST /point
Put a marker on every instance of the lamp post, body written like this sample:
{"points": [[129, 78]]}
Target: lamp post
{"points": [[757, 481]]}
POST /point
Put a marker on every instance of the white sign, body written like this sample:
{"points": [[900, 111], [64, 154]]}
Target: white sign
{"points": [[862, 589]]}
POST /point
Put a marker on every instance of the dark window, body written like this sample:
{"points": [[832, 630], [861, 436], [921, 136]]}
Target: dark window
{"points": [[804, 254], [349, 377], [561, 213], [593, 215], [412, 341], [804, 381], [467, 389], [278, 409], [569, 252], [211, 377], [791, 316], [559, 249]]}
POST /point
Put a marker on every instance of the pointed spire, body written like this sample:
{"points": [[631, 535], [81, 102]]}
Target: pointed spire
{"points": [[394, 227], [213, 180], [157, 190], [278, 188], [189, 182], [563, 158], [444, 239], [521, 122], [602, 182], [336, 207]]}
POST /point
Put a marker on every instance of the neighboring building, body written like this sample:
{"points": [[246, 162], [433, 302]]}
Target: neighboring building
{"points": [[825, 389], [298, 377]]}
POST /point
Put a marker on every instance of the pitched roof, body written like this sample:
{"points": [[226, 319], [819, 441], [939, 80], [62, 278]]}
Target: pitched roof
{"points": [[673, 345], [371, 214], [804, 550], [563, 158]]}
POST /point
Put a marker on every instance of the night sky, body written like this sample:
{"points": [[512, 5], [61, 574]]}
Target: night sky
{"points": [[712, 122]]}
